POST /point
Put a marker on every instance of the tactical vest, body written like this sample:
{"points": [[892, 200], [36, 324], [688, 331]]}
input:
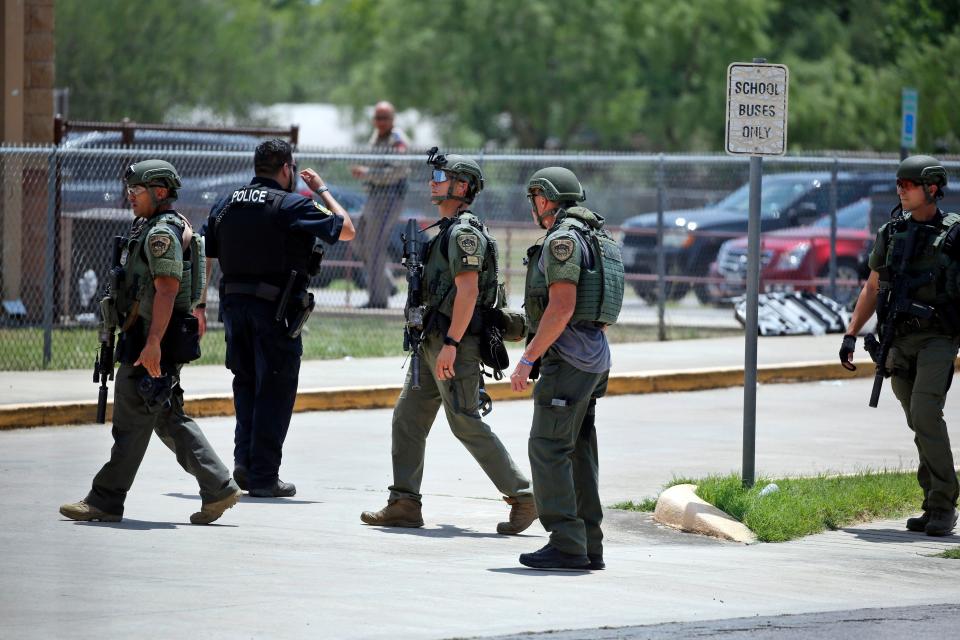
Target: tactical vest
{"points": [[943, 289], [136, 285], [927, 256], [440, 288], [254, 244], [600, 288]]}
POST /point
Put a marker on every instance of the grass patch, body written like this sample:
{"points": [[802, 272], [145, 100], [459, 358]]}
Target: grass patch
{"points": [[950, 554], [645, 504], [326, 336], [804, 506]]}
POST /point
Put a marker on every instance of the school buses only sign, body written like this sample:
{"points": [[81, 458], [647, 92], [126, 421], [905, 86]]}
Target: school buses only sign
{"points": [[757, 109]]}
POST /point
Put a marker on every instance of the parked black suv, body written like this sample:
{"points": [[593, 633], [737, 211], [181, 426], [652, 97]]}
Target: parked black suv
{"points": [[788, 200]]}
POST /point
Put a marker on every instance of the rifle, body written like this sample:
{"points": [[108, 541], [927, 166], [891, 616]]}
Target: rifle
{"points": [[893, 306], [414, 309], [103, 364]]}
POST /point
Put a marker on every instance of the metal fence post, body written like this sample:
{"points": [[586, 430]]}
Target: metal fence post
{"points": [[661, 258], [833, 227], [50, 258]]}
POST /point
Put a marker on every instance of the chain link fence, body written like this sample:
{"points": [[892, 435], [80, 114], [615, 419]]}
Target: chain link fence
{"points": [[681, 220]]}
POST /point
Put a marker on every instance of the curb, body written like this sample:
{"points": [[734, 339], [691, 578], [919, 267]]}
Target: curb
{"points": [[679, 507], [47, 414]]}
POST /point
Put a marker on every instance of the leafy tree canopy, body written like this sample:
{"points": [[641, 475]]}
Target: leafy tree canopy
{"points": [[616, 74]]}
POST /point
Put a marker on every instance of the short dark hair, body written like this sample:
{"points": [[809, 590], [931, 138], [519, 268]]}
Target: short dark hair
{"points": [[270, 156]]}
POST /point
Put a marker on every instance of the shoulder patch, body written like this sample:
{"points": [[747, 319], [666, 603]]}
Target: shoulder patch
{"points": [[561, 248], [160, 244], [468, 243], [322, 208]]}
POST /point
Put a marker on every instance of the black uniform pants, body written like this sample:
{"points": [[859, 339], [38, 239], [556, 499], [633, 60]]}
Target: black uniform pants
{"points": [[265, 365]]}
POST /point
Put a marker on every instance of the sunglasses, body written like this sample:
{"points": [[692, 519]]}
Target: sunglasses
{"points": [[438, 176], [135, 191], [906, 183]]}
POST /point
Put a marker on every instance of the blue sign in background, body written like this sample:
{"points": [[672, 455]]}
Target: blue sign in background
{"points": [[908, 125]]}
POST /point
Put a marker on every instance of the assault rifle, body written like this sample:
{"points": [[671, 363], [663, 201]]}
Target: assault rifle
{"points": [[103, 364], [894, 305], [414, 309]]}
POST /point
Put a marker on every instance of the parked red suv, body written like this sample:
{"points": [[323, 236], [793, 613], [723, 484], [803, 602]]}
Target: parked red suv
{"points": [[791, 258]]}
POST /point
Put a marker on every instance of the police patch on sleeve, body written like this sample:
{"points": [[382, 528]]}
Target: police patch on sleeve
{"points": [[561, 248], [468, 243], [160, 244]]}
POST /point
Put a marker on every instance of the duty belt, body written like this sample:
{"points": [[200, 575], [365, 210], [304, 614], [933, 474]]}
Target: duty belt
{"points": [[260, 290]]}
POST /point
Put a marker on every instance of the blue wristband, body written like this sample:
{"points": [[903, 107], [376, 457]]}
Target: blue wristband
{"points": [[526, 362]]}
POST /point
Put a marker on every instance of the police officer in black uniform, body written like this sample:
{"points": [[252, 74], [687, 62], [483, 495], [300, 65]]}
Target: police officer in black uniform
{"points": [[264, 235]]}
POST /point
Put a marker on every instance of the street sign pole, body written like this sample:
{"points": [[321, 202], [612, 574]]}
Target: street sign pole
{"points": [[756, 126], [750, 347]]}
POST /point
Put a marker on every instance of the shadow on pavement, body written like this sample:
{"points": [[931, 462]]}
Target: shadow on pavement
{"points": [[521, 571], [132, 525], [899, 536], [247, 499], [440, 531]]}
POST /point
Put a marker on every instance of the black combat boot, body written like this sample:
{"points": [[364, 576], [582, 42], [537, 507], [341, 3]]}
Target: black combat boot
{"points": [[549, 557], [918, 524], [942, 522]]}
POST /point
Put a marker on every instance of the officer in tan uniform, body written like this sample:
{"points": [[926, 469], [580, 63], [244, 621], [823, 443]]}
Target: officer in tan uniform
{"points": [[162, 265], [386, 184], [460, 279]]}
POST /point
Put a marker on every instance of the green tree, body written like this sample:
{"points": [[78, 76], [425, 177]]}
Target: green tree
{"points": [[141, 59]]}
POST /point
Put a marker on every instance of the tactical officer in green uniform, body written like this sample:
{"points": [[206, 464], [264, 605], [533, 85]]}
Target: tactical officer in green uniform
{"points": [[460, 279], [160, 280], [574, 289], [915, 256]]}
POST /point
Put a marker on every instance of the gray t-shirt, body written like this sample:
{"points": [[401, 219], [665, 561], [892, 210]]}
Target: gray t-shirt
{"points": [[582, 344]]}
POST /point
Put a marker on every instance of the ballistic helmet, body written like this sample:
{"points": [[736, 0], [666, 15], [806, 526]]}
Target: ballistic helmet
{"points": [[460, 168], [153, 173], [923, 170], [558, 184]]}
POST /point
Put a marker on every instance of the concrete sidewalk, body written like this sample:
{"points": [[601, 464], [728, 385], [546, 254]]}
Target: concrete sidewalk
{"points": [[307, 568], [43, 398]]}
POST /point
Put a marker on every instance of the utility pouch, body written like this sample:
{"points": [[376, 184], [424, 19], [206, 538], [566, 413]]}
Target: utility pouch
{"points": [[181, 342], [130, 343]]}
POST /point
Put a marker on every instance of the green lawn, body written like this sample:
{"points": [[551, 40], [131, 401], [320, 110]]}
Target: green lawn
{"points": [[804, 506], [326, 336]]}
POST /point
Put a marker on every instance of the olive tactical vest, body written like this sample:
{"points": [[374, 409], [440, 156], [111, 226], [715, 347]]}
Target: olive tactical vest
{"points": [[137, 283], [600, 288], [440, 288]]}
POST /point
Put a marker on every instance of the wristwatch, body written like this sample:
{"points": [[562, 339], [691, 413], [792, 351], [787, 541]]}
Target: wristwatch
{"points": [[322, 190], [450, 341]]}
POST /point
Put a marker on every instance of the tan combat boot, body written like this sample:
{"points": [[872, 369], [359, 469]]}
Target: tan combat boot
{"points": [[403, 512], [87, 512], [522, 515], [211, 511]]}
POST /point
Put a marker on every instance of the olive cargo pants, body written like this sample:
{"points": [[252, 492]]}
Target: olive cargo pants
{"points": [[923, 369], [416, 410], [563, 455], [133, 425]]}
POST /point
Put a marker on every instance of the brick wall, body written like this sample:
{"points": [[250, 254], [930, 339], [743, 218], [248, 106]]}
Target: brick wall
{"points": [[38, 74]]}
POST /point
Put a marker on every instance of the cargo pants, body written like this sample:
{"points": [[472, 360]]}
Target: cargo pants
{"points": [[133, 425], [416, 410], [923, 370], [563, 455]]}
